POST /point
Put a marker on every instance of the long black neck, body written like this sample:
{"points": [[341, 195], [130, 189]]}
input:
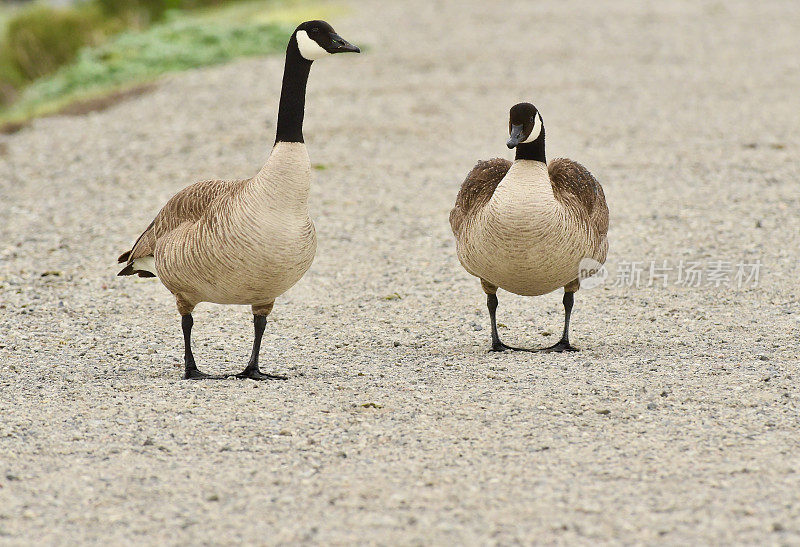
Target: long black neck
{"points": [[532, 150], [293, 95]]}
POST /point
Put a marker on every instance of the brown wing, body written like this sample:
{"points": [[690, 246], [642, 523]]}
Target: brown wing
{"points": [[575, 186], [477, 190], [188, 205]]}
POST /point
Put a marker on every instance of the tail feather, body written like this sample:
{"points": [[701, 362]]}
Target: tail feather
{"points": [[130, 270], [144, 266], [124, 258]]}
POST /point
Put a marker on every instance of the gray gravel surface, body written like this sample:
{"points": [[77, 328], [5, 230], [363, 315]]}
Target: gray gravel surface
{"points": [[676, 423]]}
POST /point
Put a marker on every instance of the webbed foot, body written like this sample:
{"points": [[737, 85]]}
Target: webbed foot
{"points": [[253, 373]]}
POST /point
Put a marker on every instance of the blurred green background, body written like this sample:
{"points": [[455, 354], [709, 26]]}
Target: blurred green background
{"points": [[53, 53]]}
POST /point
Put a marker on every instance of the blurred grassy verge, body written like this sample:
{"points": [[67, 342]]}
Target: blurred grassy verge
{"points": [[127, 61]]}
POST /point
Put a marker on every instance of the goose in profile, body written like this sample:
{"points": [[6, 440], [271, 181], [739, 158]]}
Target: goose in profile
{"points": [[243, 241], [529, 227]]}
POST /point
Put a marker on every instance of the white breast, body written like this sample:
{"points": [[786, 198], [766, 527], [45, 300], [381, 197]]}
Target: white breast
{"points": [[255, 245], [524, 240]]}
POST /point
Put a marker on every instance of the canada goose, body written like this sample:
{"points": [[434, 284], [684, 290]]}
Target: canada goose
{"points": [[526, 226], [243, 241]]}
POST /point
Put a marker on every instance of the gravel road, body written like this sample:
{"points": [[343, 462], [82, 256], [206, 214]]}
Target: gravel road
{"points": [[677, 422]]}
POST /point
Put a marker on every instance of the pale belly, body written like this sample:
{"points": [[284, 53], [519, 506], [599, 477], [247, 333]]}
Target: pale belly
{"points": [[242, 270], [524, 240], [527, 262]]}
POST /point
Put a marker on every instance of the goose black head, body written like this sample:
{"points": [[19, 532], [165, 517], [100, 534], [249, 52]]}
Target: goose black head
{"points": [[317, 39], [524, 124]]}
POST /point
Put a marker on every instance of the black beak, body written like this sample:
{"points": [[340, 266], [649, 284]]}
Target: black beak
{"points": [[516, 136], [342, 46]]}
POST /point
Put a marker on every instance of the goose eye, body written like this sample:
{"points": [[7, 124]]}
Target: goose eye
{"points": [[315, 30]]}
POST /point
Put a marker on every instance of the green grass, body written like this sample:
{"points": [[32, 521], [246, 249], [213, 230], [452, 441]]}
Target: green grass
{"points": [[183, 41], [7, 12]]}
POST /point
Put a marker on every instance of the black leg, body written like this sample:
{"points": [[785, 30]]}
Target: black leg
{"points": [[563, 344], [190, 368], [251, 371], [497, 345]]}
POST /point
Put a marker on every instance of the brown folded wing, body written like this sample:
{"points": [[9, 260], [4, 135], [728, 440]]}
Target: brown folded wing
{"points": [[477, 189], [188, 205], [576, 187]]}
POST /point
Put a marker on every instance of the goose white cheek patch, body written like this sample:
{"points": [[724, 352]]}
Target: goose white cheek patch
{"points": [[537, 129], [309, 49]]}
